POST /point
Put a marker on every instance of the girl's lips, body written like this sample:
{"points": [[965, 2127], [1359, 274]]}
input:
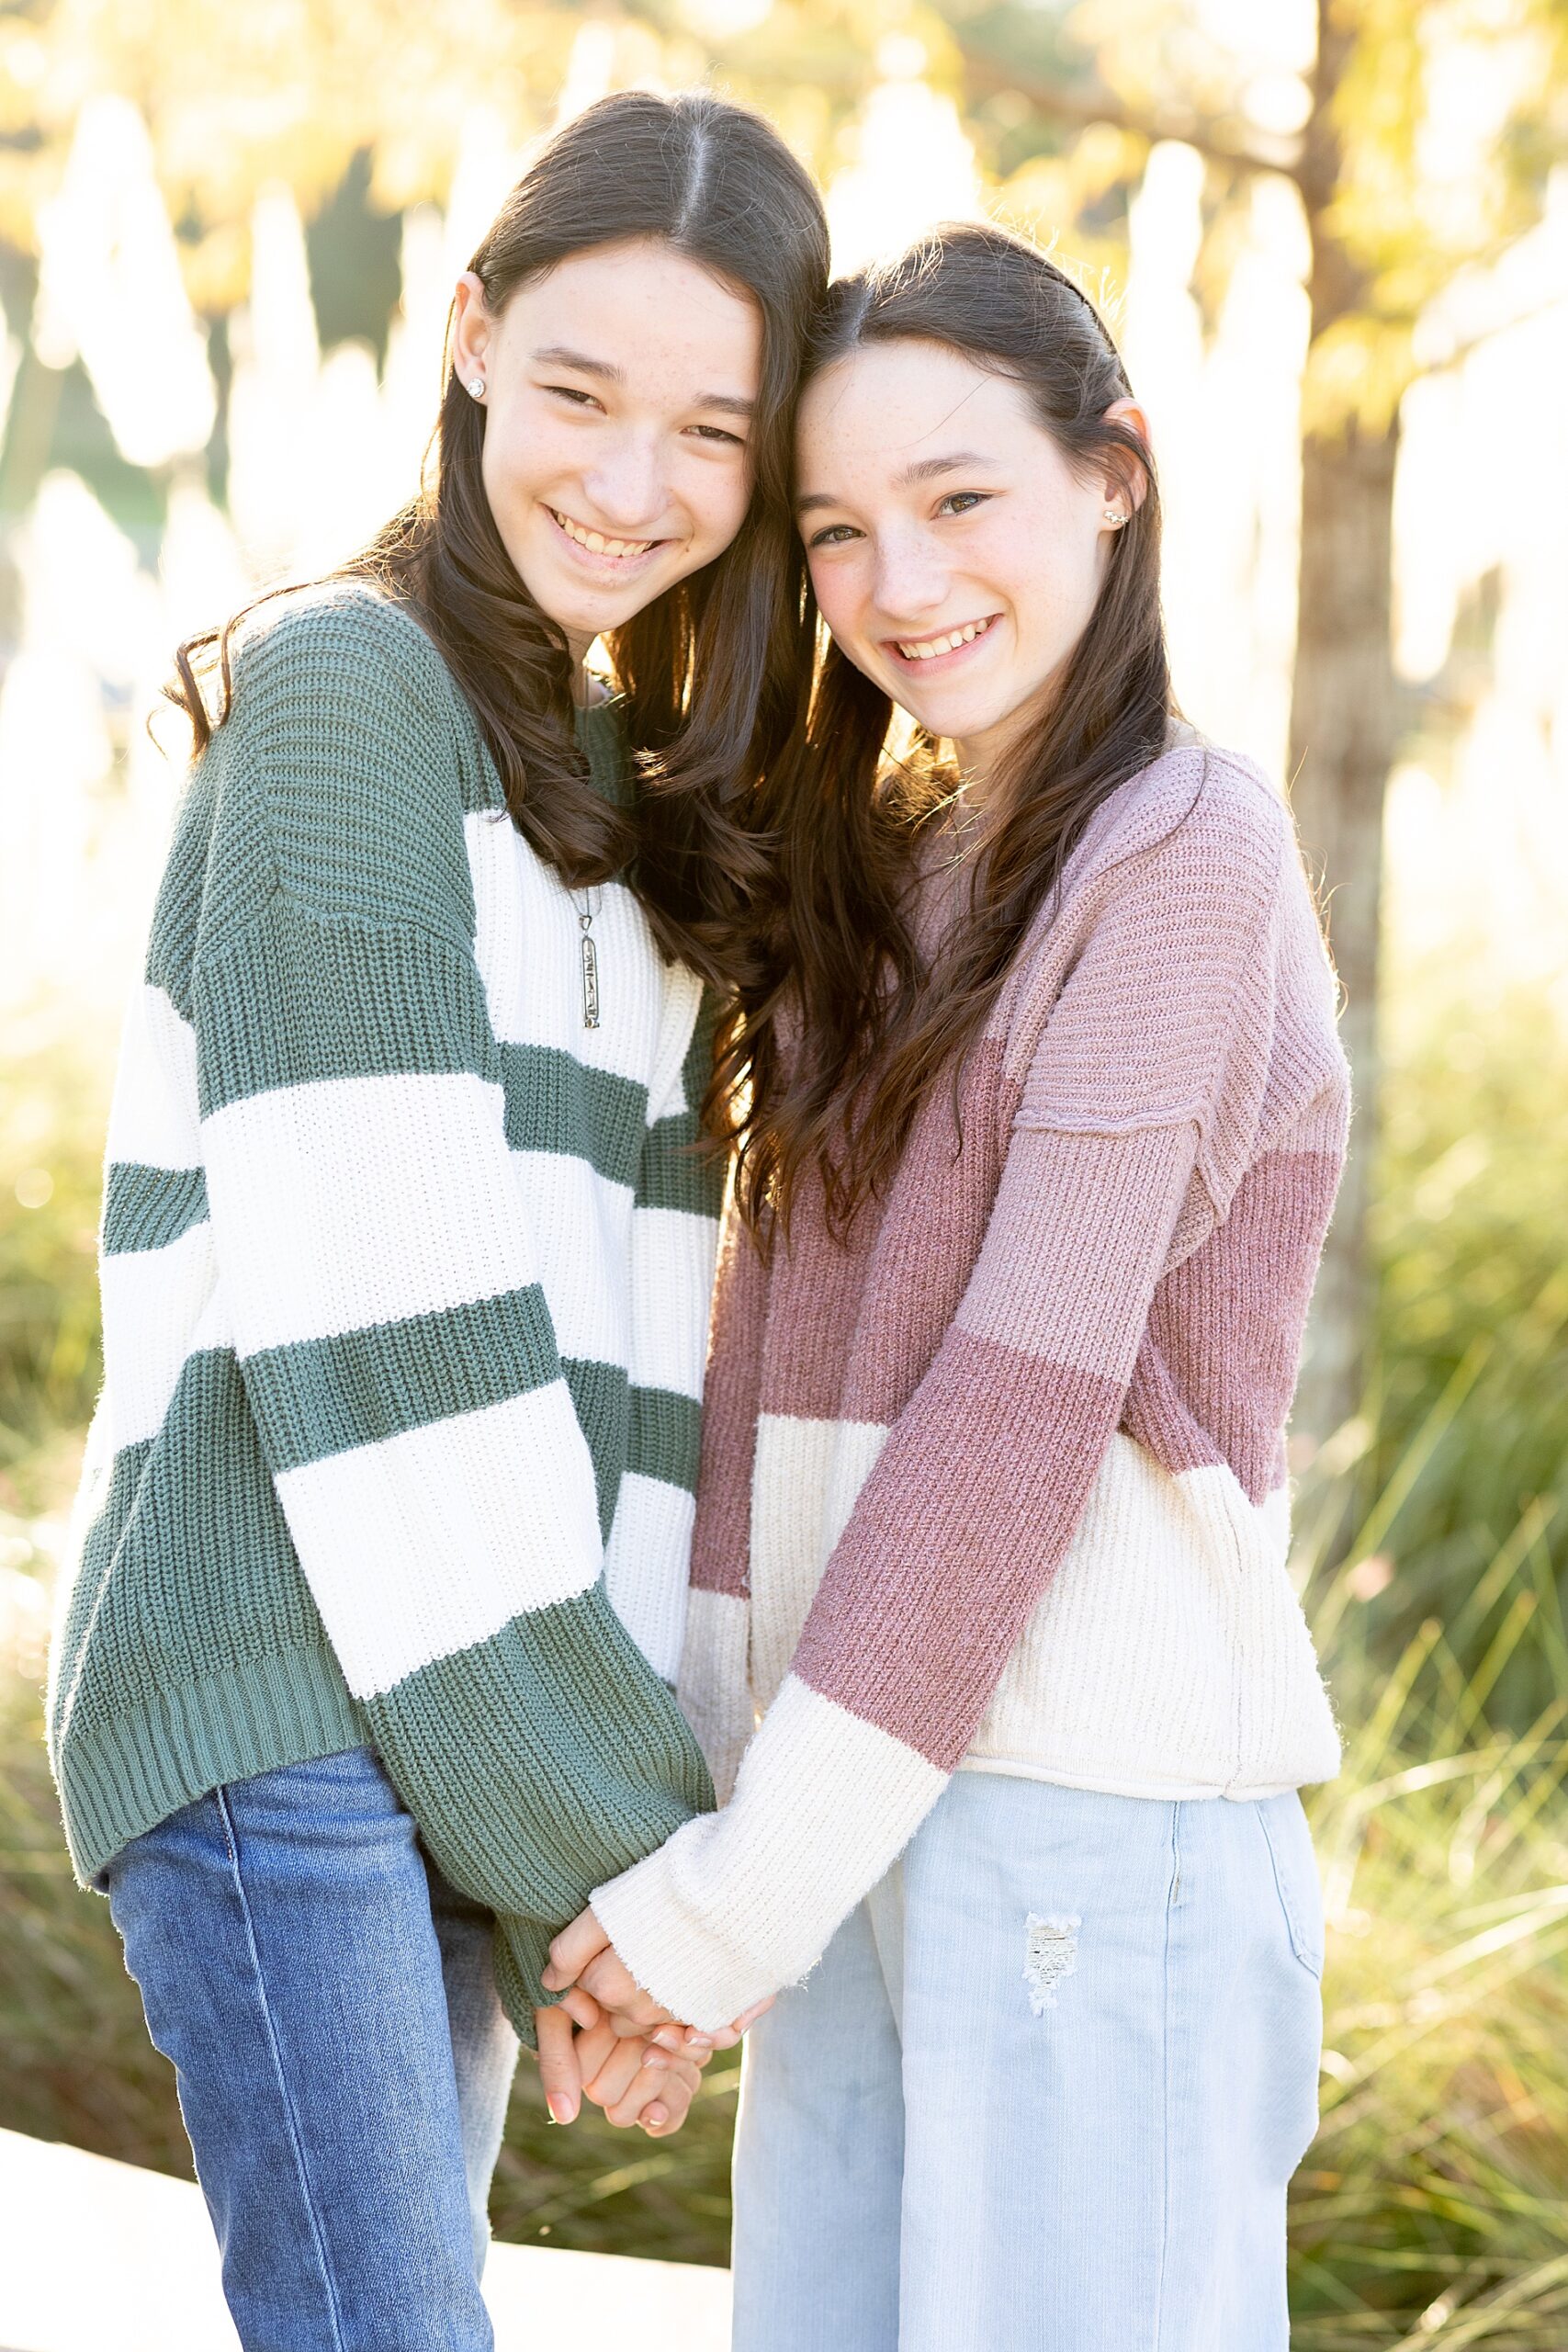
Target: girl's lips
{"points": [[937, 665], [599, 565]]}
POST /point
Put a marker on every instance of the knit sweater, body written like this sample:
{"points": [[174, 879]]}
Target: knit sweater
{"points": [[405, 1280], [1000, 1482]]}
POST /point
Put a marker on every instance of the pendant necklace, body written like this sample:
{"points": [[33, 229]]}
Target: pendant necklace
{"points": [[590, 954]]}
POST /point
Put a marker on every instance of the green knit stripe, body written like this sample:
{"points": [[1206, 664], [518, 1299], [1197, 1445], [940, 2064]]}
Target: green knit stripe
{"points": [[146, 1209], [676, 1173], [666, 1433], [317, 1398], [598, 1765], [189, 1572], [601, 732], [650, 1430], [554, 1103], [600, 1397], [125, 1774], [299, 998]]}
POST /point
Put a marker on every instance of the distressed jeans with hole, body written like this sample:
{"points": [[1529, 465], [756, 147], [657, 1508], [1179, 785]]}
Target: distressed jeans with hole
{"points": [[328, 2002], [1045, 2089]]}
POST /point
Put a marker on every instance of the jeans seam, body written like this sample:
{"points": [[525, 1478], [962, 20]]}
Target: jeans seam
{"points": [[232, 1839], [1171, 1893]]}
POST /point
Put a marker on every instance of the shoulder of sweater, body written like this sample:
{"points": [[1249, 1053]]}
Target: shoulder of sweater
{"points": [[1196, 803], [345, 769], [337, 641]]}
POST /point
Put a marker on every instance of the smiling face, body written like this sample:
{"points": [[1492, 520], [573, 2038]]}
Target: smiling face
{"points": [[956, 555], [618, 389]]}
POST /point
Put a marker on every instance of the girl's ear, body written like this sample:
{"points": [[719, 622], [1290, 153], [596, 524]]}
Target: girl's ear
{"points": [[473, 330], [1134, 485]]}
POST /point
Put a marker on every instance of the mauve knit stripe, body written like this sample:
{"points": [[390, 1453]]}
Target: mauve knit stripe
{"points": [[720, 1542], [917, 1613], [816, 1291], [1218, 1366], [942, 1203]]}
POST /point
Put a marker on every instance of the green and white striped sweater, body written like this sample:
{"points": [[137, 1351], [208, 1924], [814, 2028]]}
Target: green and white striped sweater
{"points": [[405, 1285]]}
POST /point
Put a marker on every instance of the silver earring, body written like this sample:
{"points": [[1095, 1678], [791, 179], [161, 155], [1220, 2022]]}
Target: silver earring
{"points": [[1113, 516], [477, 386]]}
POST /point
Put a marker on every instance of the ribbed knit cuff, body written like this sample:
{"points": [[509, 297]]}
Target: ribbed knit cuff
{"points": [[741, 1903]]}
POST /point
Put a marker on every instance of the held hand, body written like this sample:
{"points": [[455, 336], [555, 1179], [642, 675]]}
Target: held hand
{"points": [[631, 2081], [582, 1955]]}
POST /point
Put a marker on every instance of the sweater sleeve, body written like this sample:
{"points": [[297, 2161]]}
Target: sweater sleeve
{"points": [[716, 1680], [380, 1285], [1139, 1099]]}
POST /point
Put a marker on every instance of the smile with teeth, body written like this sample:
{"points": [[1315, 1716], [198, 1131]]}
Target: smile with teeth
{"points": [[927, 649], [595, 541]]}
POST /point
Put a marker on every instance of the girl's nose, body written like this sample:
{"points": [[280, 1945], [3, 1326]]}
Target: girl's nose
{"points": [[911, 579], [627, 487]]}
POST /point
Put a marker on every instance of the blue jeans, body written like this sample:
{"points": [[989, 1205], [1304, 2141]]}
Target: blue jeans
{"points": [[328, 2002], [1045, 2089]]}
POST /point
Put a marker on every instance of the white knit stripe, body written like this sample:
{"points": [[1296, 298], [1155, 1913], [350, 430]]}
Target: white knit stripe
{"points": [[580, 1224], [672, 1255], [434, 1539], [528, 944], [805, 1479], [1169, 1652], [153, 1301], [153, 1114], [718, 1916], [645, 1567], [715, 1688], [360, 1201], [682, 1002]]}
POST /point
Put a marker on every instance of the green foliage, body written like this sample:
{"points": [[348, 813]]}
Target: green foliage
{"points": [[1472, 1441], [51, 1122], [1429, 2207]]}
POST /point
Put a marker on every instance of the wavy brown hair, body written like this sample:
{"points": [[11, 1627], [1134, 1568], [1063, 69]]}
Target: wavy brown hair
{"points": [[872, 1028], [713, 670]]}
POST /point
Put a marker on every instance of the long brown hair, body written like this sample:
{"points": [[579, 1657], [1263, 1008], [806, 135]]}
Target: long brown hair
{"points": [[713, 669], [875, 1027]]}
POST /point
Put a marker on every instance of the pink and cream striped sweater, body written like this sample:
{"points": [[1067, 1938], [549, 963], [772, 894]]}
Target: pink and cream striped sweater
{"points": [[1000, 1483]]}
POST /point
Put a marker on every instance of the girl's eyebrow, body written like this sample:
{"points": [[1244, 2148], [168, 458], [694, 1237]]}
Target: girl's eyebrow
{"points": [[923, 470], [559, 354]]}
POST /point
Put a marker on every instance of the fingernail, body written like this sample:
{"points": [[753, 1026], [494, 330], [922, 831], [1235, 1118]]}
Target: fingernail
{"points": [[656, 2118], [667, 2037], [560, 2108], [699, 2041], [655, 2061]]}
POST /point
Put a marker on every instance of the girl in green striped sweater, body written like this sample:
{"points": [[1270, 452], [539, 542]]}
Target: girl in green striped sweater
{"points": [[361, 1683]]}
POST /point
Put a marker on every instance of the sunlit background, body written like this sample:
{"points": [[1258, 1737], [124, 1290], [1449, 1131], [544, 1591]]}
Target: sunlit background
{"points": [[226, 246]]}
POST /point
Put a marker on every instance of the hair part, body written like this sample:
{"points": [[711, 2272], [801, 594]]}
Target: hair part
{"points": [[712, 670], [846, 1028]]}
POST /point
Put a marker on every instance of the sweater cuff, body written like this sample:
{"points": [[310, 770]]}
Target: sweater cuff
{"points": [[739, 1903]]}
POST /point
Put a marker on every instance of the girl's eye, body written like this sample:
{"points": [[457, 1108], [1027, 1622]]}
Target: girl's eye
{"points": [[571, 393], [959, 501], [716, 433], [837, 535]]}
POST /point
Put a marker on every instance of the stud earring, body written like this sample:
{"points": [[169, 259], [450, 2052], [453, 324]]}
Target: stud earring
{"points": [[1113, 516], [477, 386]]}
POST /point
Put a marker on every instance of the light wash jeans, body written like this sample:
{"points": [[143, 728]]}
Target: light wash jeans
{"points": [[344, 2062], [1044, 2090]]}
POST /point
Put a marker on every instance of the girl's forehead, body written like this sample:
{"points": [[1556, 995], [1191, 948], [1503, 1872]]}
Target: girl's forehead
{"points": [[892, 403]]}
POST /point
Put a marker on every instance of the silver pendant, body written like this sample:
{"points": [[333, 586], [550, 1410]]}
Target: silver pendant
{"points": [[590, 976]]}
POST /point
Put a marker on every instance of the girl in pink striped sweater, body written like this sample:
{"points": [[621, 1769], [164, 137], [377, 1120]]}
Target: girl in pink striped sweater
{"points": [[991, 1643]]}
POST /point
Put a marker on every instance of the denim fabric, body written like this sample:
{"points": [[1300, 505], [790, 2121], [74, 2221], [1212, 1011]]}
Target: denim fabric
{"points": [[1045, 2089], [328, 2002]]}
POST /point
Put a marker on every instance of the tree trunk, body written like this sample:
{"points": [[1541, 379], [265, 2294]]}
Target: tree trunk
{"points": [[1342, 737], [1342, 730]]}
